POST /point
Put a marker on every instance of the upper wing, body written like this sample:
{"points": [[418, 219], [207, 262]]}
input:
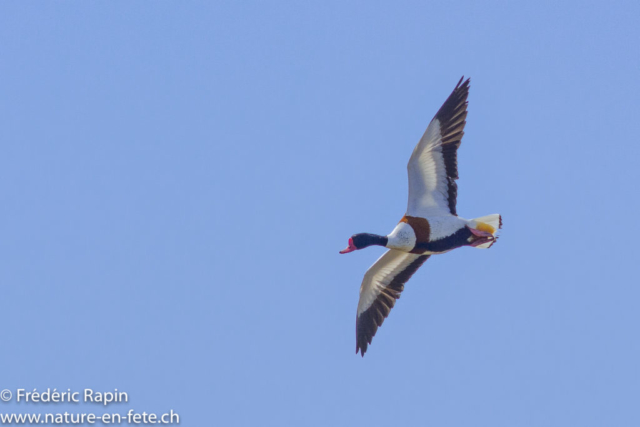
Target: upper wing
{"points": [[433, 167], [380, 289]]}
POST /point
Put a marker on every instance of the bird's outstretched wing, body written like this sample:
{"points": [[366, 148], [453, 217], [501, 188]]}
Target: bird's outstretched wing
{"points": [[381, 287], [433, 167]]}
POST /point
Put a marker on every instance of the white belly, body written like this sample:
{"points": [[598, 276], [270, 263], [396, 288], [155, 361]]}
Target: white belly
{"points": [[443, 226]]}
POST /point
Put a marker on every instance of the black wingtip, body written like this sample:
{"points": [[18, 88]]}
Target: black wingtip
{"points": [[362, 349]]}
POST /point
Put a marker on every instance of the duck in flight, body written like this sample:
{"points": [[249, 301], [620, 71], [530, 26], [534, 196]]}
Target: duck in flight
{"points": [[430, 226]]}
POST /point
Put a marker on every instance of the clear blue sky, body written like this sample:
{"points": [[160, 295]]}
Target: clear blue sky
{"points": [[177, 178]]}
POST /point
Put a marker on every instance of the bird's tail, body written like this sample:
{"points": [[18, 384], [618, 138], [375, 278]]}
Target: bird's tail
{"points": [[490, 223]]}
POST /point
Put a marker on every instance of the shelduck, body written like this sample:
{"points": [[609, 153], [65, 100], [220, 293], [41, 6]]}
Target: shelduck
{"points": [[431, 224]]}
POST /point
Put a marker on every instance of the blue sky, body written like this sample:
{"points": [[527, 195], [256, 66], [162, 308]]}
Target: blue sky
{"points": [[177, 179]]}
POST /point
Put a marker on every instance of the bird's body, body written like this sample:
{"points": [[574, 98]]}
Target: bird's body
{"points": [[431, 224]]}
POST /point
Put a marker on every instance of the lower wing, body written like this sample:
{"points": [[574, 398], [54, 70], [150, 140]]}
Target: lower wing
{"points": [[381, 287]]}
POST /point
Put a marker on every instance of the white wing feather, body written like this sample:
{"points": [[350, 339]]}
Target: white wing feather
{"points": [[381, 273], [428, 183]]}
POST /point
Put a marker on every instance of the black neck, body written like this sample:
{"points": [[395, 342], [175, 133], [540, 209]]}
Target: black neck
{"points": [[363, 240]]}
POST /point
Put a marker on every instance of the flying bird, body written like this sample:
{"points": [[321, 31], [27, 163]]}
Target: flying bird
{"points": [[431, 224]]}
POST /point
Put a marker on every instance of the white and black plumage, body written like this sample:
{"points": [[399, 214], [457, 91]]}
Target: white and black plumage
{"points": [[431, 224]]}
